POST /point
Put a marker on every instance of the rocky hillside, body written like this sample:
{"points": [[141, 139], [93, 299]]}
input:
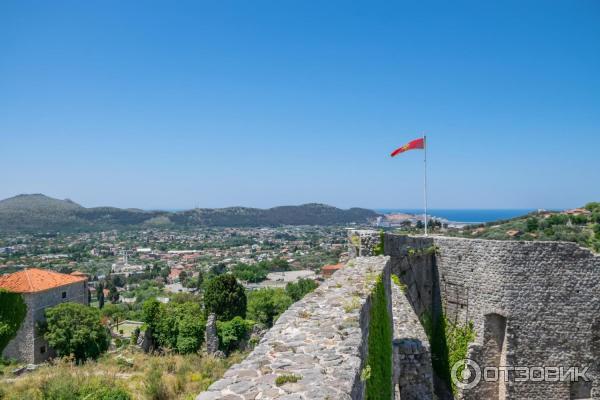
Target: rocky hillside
{"points": [[37, 212]]}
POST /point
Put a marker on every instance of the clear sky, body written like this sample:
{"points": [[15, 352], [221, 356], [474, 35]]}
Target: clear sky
{"points": [[218, 103]]}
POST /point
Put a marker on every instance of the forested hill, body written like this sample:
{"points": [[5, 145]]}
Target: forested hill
{"points": [[580, 225], [37, 212]]}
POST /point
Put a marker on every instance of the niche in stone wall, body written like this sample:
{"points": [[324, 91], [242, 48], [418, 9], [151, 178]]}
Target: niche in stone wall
{"points": [[494, 353]]}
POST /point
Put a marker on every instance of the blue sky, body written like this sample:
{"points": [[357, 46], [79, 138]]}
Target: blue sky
{"points": [[263, 103]]}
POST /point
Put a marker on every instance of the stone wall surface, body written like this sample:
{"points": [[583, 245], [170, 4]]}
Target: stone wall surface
{"points": [[361, 242], [413, 375], [321, 339], [547, 295], [532, 304]]}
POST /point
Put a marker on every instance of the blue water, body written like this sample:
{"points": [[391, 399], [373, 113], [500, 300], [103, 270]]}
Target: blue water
{"points": [[466, 215]]}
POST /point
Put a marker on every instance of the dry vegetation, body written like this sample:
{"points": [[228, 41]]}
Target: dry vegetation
{"points": [[119, 376]]}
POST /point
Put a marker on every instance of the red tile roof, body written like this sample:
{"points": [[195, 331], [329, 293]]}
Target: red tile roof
{"points": [[31, 280], [333, 267]]}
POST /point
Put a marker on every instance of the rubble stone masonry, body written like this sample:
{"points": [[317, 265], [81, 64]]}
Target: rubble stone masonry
{"points": [[532, 304]]}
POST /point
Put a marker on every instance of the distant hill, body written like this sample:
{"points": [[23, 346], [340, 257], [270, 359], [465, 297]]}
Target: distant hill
{"points": [[37, 212], [580, 225]]}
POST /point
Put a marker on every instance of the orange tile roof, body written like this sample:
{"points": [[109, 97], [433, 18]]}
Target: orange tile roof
{"points": [[333, 267], [31, 280]]}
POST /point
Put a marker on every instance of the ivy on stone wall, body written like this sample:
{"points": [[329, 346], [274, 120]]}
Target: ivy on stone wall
{"points": [[12, 313], [379, 360], [449, 344]]}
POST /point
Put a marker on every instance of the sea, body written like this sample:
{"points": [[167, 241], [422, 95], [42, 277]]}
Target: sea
{"points": [[468, 216]]}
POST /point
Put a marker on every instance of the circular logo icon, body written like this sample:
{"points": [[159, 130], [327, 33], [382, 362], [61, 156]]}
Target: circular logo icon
{"points": [[465, 374]]}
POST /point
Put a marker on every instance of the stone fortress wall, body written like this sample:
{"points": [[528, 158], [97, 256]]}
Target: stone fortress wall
{"points": [[532, 304], [322, 340]]}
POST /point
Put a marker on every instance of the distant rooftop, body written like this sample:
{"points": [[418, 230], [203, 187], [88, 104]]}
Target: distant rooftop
{"points": [[31, 280]]}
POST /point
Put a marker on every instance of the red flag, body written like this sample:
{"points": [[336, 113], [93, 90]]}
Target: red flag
{"points": [[413, 144]]}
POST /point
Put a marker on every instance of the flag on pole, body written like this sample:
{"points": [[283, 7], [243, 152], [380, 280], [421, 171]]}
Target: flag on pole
{"points": [[413, 144]]}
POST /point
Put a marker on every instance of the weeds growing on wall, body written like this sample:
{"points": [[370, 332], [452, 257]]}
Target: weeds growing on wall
{"points": [[379, 360], [399, 283], [449, 343], [425, 251], [379, 250], [12, 314], [458, 338]]}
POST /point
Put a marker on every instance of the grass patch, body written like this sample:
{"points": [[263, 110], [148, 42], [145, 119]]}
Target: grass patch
{"points": [[165, 377], [283, 379], [352, 304]]}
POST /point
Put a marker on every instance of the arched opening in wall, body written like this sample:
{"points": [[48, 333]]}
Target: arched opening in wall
{"points": [[494, 353], [581, 390]]}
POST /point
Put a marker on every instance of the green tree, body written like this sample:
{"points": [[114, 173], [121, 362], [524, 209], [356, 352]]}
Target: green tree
{"points": [[299, 289], [115, 312], [151, 313], [266, 305], [12, 313], [73, 328], [250, 273], [225, 297], [200, 280], [232, 333], [113, 294], [176, 326], [593, 206], [532, 224], [182, 277], [100, 295], [190, 328]]}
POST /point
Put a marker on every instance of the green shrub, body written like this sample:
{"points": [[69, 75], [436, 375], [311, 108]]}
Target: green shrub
{"points": [[266, 305], [154, 386], [299, 289], [232, 333], [532, 224]]}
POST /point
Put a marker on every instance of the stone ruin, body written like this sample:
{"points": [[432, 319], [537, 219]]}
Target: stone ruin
{"points": [[531, 304]]}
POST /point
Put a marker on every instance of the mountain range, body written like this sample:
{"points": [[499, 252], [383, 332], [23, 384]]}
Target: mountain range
{"points": [[37, 212]]}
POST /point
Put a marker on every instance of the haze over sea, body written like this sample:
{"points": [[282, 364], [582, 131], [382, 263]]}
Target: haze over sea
{"points": [[470, 215]]}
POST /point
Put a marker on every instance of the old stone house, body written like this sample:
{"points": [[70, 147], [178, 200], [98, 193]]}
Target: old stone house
{"points": [[40, 289]]}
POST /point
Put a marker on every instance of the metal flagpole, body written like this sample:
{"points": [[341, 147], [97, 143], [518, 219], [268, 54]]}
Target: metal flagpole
{"points": [[425, 180]]}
